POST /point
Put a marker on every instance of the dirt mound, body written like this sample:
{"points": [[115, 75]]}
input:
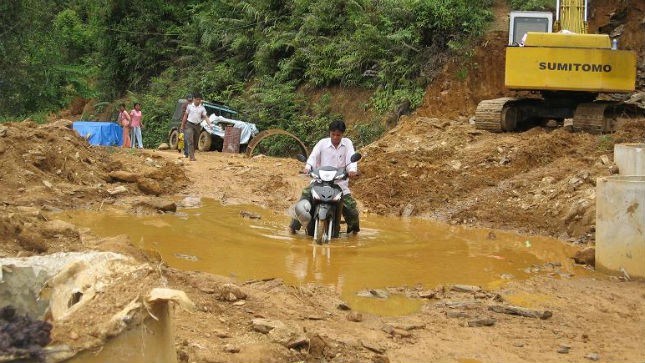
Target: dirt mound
{"points": [[539, 181], [50, 167]]}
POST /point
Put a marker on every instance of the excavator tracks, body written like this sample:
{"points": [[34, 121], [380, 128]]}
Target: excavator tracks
{"points": [[591, 118], [489, 114]]}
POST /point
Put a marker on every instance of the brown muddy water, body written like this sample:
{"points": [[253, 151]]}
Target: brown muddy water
{"points": [[388, 252]]}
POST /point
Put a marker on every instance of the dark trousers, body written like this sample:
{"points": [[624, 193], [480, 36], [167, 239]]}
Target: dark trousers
{"points": [[350, 211], [191, 137]]}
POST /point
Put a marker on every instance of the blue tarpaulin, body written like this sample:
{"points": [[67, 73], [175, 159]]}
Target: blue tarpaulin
{"points": [[100, 133]]}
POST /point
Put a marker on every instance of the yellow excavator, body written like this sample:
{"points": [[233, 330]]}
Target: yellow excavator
{"points": [[565, 67]]}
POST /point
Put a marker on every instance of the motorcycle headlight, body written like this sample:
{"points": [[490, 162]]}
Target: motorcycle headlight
{"points": [[327, 175], [314, 194]]}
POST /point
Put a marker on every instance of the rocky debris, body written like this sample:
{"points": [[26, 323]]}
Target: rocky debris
{"points": [[466, 288], [592, 356], [377, 293], [408, 210], [190, 202], [315, 317], [22, 336], [193, 259], [288, 336], [522, 181], [637, 99], [279, 332], [468, 304], [318, 346], [264, 326], [343, 306], [516, 310], [250, 215], [160, 204], [380, 359], [427, 294], [121, 189], [150, 162], [297, 342], [396, 332], [481, 322], [564, 349], [549, 267], [232, 292], [457, 314], [123, 176], [58, 228], [149, 186], [146, 184], [354, 316], [230, 348], [586, 257], [410, 325], [373, 347]]}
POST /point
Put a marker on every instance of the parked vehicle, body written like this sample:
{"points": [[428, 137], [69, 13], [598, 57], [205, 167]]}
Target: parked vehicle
{"points": [[327, 199], [207, 140]]}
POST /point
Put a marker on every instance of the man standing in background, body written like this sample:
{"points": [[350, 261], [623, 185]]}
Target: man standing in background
{"points": [[190, 123]]}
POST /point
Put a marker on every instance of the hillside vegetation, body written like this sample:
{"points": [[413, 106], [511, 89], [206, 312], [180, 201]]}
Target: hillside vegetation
{"points": [[255, 55]]}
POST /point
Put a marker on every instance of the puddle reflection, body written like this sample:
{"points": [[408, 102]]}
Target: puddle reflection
{"points": [[387, 251]]}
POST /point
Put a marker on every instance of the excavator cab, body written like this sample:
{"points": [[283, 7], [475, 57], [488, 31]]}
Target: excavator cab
{"points": [[522, 22], [564, 70]]}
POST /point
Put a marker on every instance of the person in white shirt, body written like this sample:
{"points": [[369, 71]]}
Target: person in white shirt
{"points": [[335, 151], [190, 123]]}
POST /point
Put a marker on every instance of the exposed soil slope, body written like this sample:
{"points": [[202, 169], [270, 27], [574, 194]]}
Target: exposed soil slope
{"points": [[539, 181]]}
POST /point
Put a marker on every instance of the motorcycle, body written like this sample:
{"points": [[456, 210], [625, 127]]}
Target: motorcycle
{"points": [[324, 223]]}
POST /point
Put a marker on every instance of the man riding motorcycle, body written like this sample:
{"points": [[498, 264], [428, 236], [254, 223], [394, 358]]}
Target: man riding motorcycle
{"points": [[335, 151]]}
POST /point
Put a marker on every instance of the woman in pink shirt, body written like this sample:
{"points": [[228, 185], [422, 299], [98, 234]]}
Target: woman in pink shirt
{"points": [[124, 121], [136, 125]]}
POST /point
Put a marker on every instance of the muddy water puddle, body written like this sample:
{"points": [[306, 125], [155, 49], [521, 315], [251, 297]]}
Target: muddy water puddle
{"points": [[247, 243]]}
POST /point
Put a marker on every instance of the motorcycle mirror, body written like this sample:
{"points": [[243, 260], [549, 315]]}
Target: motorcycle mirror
{"points": [[356, 157], [301, 157]]}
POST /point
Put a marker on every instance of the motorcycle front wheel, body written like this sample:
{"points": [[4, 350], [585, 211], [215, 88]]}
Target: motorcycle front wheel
{"points": [[320, 231]]}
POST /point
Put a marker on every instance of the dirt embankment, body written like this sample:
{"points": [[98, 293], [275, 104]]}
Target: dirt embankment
{"points": [[540, 181], [50, 168]]}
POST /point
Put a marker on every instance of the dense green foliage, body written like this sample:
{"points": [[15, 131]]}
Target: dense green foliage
{"points": [[255, 55], [39, 46], [533, 5]]}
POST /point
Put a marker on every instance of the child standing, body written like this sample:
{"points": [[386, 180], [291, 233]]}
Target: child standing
{"points": [[124, 121], [136, 124]]}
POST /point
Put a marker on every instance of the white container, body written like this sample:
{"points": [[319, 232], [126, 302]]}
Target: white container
{"points": [[620, 224], [630, 159]]}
